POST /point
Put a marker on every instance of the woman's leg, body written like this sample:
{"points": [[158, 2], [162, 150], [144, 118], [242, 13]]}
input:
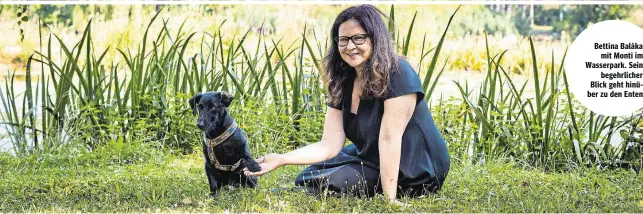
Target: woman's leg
{"points": [[355, 179], [352, 179]]}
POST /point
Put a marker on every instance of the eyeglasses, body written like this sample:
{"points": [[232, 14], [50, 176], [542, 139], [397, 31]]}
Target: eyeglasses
{"points": [[357, 40]]}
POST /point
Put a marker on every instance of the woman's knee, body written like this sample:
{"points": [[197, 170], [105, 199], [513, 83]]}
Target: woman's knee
{"points": [[344, 181], [352, 180]]}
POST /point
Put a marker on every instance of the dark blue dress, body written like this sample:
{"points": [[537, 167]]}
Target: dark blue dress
{"points": [[424, 161]]}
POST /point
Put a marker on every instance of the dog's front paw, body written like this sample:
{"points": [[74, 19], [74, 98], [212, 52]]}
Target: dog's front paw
{"points": [[213, 195], [254, 167]]}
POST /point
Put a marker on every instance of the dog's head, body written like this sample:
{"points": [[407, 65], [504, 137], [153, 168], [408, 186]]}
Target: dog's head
{"points": [[211, 107]]}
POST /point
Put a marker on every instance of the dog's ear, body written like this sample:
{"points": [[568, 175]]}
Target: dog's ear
{"points": [[193, 101], [226, 98]]}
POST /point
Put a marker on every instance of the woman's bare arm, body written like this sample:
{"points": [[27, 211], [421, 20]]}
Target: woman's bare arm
{"points": [[397, 113], [331, 144]]}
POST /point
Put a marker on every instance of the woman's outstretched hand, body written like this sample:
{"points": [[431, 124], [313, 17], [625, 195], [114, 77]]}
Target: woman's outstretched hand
{"points": [[267, 163]]}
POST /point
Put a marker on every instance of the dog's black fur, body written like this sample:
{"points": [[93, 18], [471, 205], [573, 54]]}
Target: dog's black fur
{"points": [[213, 120]]}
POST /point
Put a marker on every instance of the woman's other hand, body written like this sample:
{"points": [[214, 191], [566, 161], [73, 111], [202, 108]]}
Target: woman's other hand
{"points": [[267, 163]]}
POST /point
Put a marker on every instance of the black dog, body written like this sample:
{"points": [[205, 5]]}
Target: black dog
{"points": [[225, 146]]}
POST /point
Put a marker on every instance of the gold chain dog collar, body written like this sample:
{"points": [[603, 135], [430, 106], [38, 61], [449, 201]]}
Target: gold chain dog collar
{"points": [[218, 140]]}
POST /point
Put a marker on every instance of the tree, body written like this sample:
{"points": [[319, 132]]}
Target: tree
{"points": [[579, 17]]}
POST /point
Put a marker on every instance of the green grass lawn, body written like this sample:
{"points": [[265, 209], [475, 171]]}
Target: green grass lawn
{"points": [[127, 181]]}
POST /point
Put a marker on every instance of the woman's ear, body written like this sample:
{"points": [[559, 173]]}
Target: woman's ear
{"points": [[193, 101], [226, 98]]}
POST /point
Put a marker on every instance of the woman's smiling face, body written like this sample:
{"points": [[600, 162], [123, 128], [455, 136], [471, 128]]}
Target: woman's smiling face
{"points": [[354, 55]]}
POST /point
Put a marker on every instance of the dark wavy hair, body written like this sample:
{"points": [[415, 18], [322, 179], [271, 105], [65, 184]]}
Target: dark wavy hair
{"points": [[377, 70]]}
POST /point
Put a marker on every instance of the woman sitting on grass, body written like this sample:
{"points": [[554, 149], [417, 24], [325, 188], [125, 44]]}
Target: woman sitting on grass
{"points": [[375, 100]]}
